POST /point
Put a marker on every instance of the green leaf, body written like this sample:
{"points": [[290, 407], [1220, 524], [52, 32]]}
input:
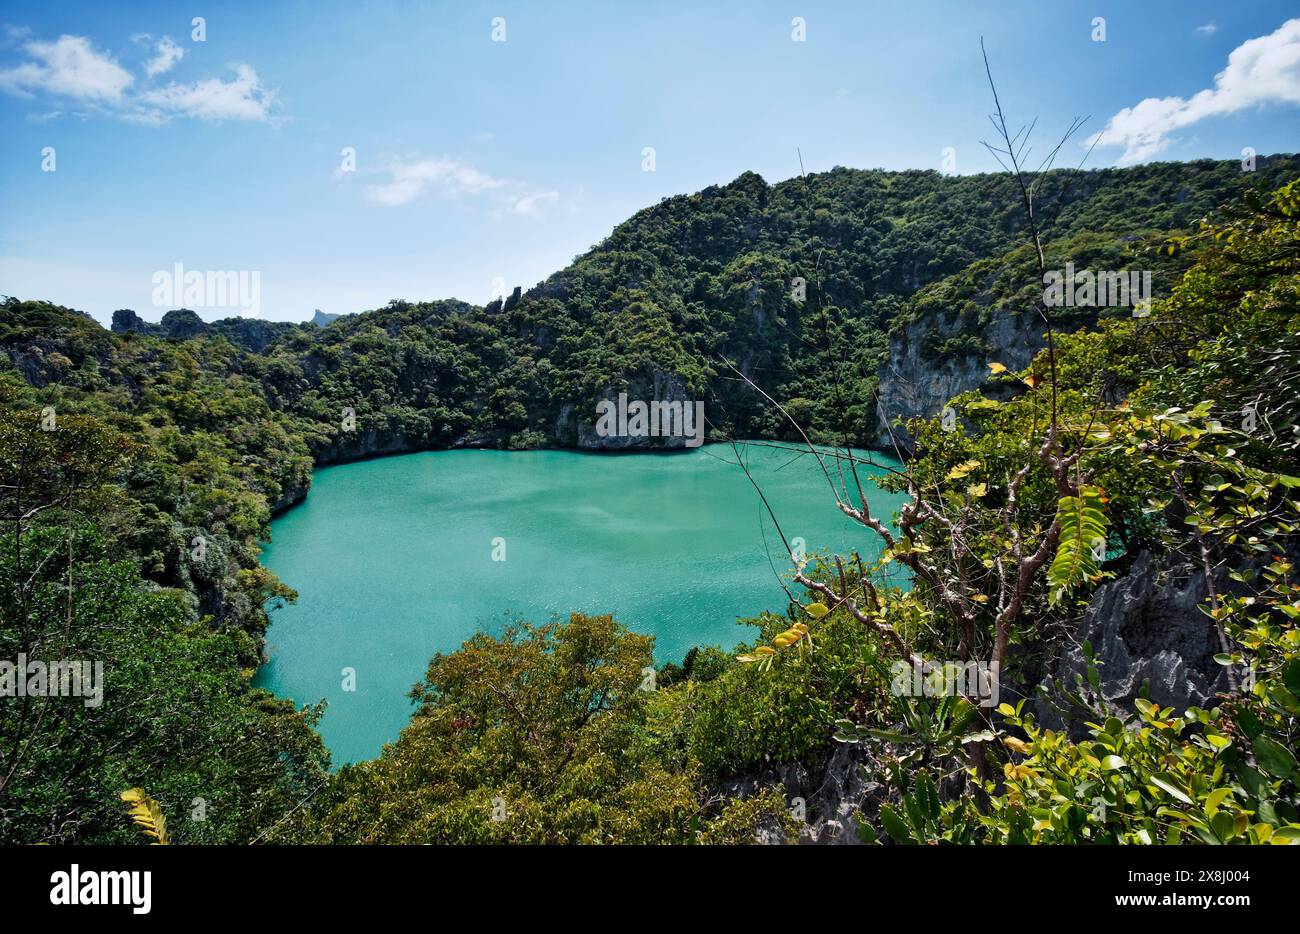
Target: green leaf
{"points": [[1273, 757], [1169, 784], [912, 803], [928, 794], [1289, 834], [1214, 799], [894, 825], [1291, 676], [1222, 823], [1249, 723], [816, 610], [890, 736], [1285, 699], [1083, 522], [1252, 780]]}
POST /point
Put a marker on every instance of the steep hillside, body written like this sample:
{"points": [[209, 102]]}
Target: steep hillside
{"points": [[702, 279], [915, 279], [908, 273]]}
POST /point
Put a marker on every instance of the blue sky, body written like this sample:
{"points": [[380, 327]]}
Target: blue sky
{"points": [[479, 160]]}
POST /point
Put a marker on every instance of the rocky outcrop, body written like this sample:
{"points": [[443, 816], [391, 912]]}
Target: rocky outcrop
{"points": [[1148, 633], [291, 495], [255, 334], [178, 324], [362, 443], [832, 796], [126, 321], [575, 427], [919, 377]]}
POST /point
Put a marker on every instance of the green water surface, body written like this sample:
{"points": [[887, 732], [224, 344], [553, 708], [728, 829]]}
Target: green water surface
{"points": [[393, 561]]}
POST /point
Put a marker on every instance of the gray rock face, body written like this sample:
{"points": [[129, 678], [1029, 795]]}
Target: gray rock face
{"points": [[291, 495], [1145, 627], [912, 384], [832, 794], [126, 320], [363, 443], [179, 324], [578, 428]]}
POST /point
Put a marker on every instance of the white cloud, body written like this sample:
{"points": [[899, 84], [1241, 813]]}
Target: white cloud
{"points": [[1260, 71], [166, 54], [72, 67], [407, 181], [1208, 29], [242, 98], [69, 66], [408, 178], [532, 204]]}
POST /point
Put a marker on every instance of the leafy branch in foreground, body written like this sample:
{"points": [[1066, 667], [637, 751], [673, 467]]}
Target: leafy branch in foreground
{"points": [[1217, 776], [1083, 525]]}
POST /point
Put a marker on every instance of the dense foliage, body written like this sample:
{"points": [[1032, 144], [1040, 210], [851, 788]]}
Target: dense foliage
{"points": [[543, 735], [172, 704], [1184, 420], [139, 471]]}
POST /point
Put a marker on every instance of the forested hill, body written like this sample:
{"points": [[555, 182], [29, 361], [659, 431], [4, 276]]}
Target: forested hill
{"points": [[700, 279], [657, 309]]}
